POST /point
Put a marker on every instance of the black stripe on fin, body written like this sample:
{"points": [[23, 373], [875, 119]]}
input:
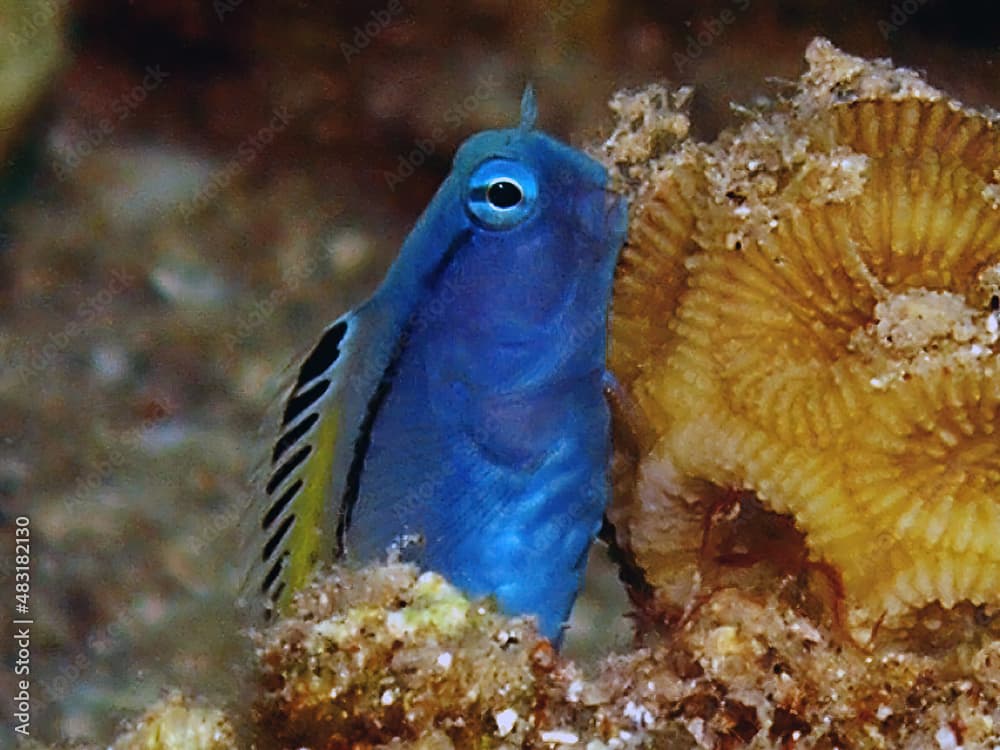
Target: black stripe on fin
{"points": [[272, 574], [352, 486], [279, 505], [287, 468], [323, 355], [291, 437], [276, 596], [276, 537], [298, 404]]}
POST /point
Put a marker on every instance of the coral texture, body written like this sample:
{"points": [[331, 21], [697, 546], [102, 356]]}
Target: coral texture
{"points": [[176, 724], [806, 317], [391, 653], [388, 657], [393, 659]]}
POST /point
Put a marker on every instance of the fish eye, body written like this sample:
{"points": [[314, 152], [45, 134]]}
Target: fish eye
{"points": [[504, 194], [501, 193]]}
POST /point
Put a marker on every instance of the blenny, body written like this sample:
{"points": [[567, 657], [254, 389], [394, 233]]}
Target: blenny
{"points": [[458, 415]]}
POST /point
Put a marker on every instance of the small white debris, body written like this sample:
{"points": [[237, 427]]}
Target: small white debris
{"points": [[503, 637], [697, 729], [992, 324], [560, 737], [188, 285], [388, 697], [505, 720], [444, 660], [639, 714], [946, 739], [574, 691], [883, 712], [395, 623], [110, 362], [348, 248]]}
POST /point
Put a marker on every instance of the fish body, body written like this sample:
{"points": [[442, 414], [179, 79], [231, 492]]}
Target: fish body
{"points": [[458, 415]]}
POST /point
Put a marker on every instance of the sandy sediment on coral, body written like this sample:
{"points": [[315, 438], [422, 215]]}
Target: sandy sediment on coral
{"points": [[388, 657]]}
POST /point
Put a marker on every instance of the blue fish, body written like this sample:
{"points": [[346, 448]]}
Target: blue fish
{"points": [[458, 415]]}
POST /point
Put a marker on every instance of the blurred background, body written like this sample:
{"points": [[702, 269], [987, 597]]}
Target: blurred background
{"points": [[191, 189]]}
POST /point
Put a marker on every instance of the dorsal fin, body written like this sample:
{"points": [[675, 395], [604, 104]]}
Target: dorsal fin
{"points": [[291, 509]]}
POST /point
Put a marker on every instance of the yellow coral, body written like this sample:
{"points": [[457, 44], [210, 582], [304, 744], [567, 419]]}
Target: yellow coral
{"points": [[806, 309], [174, 724]]}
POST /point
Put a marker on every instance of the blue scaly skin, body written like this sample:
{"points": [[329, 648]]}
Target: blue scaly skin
{"points": [[458, 414]]}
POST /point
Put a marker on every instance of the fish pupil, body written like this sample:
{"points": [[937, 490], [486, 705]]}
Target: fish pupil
{"points": [[504, 194]]}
